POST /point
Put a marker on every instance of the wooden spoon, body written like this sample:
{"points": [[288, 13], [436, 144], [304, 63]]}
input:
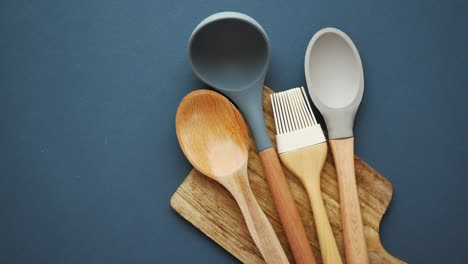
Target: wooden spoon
{"points": [[214, 138]]}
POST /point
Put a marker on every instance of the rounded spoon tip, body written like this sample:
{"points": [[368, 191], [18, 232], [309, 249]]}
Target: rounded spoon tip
{"points": [[335, 79], [212, 133]]}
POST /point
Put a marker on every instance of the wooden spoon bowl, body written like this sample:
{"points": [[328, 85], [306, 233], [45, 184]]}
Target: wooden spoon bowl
{"points": [[212, 134]]}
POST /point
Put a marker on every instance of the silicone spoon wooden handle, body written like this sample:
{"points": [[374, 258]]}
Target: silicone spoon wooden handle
{"points": [[259, 227], [290, 218], [353, 230]]}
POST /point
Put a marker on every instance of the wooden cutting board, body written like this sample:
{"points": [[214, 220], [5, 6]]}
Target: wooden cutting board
{"points": [[212, 209]]}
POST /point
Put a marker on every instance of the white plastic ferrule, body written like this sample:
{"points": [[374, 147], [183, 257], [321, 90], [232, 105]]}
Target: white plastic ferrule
{"points": [[300, 138]]}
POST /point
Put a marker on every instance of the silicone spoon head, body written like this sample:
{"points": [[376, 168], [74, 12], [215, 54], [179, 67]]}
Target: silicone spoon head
{"points": [[212, 134], [230, 52], [335, 79]]}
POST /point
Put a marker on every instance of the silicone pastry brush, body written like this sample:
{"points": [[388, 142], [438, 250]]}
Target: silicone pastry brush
{"points": [[302, 148]]}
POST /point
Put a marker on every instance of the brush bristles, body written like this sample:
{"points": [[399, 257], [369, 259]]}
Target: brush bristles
{"points": [[292, 111]]}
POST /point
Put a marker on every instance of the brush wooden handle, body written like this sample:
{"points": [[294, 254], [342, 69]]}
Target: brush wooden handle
{"points": [[259, 227], [307, 164], [328, 247], [353, 230], [284, 202], [311, 162]]}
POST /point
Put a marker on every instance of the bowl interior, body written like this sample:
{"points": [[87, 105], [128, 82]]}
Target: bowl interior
{"points": [[229, 54], [212, 133], [335, 71]]}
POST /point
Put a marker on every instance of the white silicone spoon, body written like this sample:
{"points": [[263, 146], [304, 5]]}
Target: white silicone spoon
{"points": [[335, 80]]}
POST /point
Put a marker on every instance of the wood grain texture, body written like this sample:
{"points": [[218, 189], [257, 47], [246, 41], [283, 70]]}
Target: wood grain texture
{"points": [[211, 208], [307, 164], [214, 137], [259, 227], [353, 230], [287, 211]]}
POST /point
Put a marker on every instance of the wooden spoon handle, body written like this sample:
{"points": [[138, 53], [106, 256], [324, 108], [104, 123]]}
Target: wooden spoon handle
{"points": [[328, 247], [259, 227], [354, 239], [290, 218]]}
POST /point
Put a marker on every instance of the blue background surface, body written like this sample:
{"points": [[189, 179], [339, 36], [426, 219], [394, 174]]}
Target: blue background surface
{"points": [[88, 93]]}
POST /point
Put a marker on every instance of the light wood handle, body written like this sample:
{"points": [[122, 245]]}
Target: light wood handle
{"points": [[353, 230], [328, 247], [307, 164], [289, 216], [259, 227]]}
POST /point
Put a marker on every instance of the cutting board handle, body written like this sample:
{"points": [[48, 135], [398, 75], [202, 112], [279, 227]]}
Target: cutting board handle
{"points": [[353, 230], [289, 216], [260, 228]]}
